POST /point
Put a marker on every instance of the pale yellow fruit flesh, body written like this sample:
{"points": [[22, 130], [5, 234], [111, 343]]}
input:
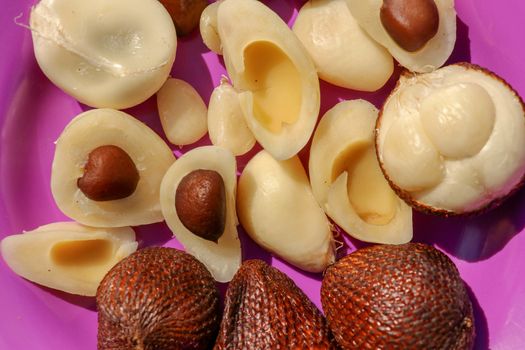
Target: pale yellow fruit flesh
{"points": [[226, 124], [410, 159], [347, 180], [275, 83], [208, 28], [183, 113], [435, 52], [68, 256], [343, 53], [458, 119], [224, 257], [277, 209], [453, 139], [98, 127], [368, 192], [106, 54]]}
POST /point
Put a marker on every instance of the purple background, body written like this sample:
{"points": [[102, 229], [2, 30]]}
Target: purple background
{"points": [[488, 250]]}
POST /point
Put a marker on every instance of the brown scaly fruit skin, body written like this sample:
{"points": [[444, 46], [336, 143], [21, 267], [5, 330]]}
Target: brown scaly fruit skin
{"points": [[157, 298], [266, 310], [406, 196], [402, 297]]}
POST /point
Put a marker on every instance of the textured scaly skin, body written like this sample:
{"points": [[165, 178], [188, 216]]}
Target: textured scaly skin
{"points": [[266, 310], [404, 297], [157, 298]]}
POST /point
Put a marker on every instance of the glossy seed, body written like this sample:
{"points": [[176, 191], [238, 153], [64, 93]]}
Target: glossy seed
{"points": [[410, 23], [109, 174]]}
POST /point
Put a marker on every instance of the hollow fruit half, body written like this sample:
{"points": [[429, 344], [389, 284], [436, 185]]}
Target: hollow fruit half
{"points": [[277, 81], [107, 170], [68, 256], [347, 180], [452, 141], [198, 202]]}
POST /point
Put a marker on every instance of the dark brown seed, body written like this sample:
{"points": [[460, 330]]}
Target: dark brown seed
{"points": [[186, 14], [157, 298], [200, 201], [410, 23], [405, 297], [109, 174], [266, 310]]}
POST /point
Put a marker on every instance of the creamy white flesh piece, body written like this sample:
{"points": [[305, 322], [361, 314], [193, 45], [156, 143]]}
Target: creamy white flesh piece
{"points": [[276, 79], [467, 130], [347, 181], [226, 124], [343, 53], [68, 256], [224, 257], [182, 112], [435, 52], [277, 209], [111, 54], [100, 127]]}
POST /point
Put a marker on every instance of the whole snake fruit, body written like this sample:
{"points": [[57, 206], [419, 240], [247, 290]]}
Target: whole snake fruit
{"points": [[405, 297], [157, 298], [266, 310]]}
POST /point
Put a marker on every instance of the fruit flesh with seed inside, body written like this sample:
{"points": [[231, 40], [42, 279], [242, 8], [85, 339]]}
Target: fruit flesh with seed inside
{"points": [[200, 201], [223, 257], [420, 34], [67, 256], [147, 153], [157, 298], [277, 81], [346, 178], [264, 309], [408, 296]]}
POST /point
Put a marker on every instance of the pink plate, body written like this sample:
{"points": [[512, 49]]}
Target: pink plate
{"points": [[488, 250]]}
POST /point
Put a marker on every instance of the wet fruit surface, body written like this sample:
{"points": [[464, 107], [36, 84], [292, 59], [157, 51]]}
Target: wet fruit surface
{"points": [[419, 34], [441, 138], [266, 310], [157, 298], [67, 256], [99, 157], [210, 184], [408, 296]]}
